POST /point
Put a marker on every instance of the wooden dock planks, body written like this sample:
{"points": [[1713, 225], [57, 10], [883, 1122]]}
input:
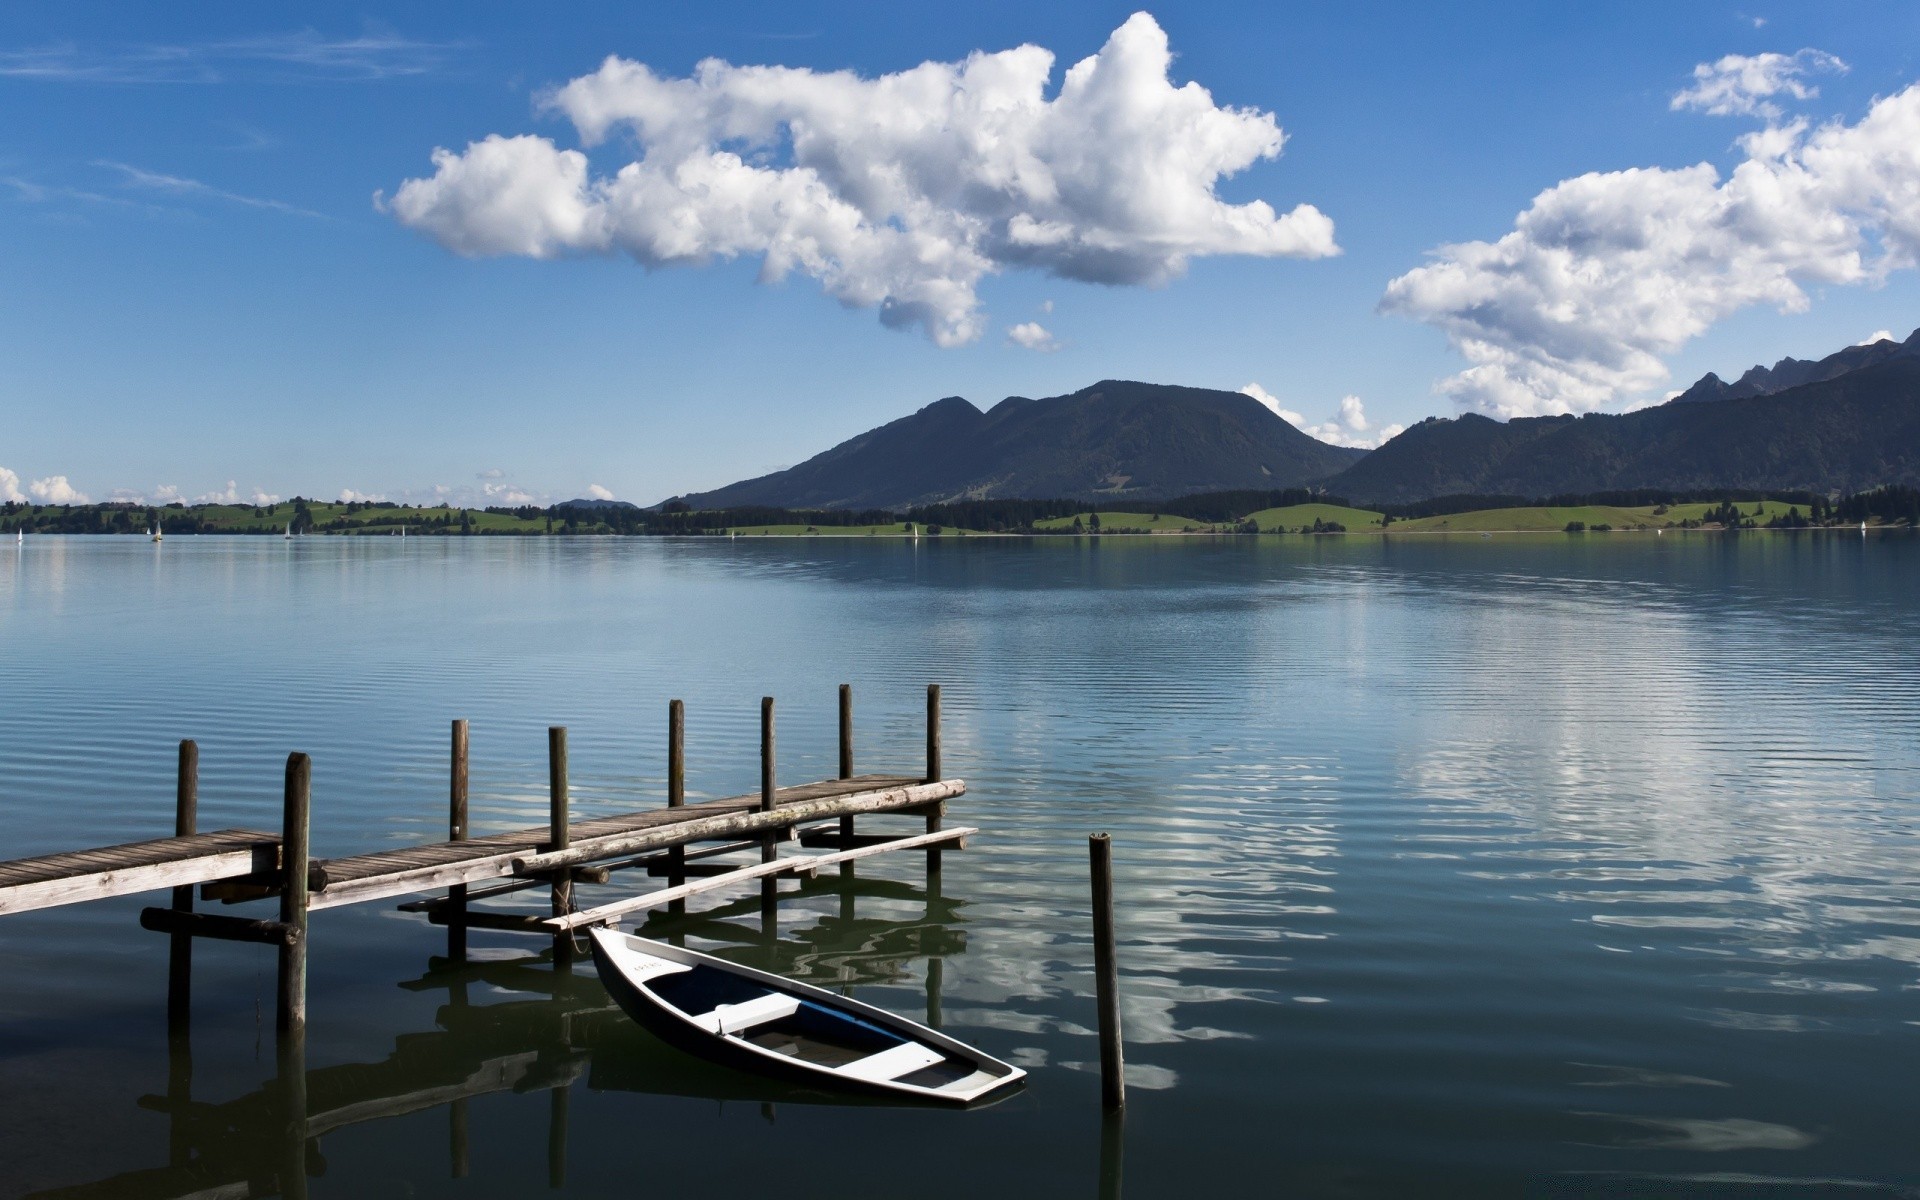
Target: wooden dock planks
{"points": [[76, 875]]}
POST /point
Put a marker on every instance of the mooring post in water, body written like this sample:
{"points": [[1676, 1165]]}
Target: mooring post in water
{"points": [[676, 795], [846, 770], [938, 809], [769, 848], [1113, 1084], [291, 1021], [290, 1025], [186, 823], [559, 837], [457, 832]]}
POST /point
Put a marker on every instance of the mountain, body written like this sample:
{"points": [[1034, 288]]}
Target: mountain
{"points": [[1793, 372], [1852, 431], [1116, 440]]}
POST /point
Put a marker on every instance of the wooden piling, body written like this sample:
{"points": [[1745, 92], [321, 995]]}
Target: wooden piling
{"points": [[557, 1105], [769, 849], [938, 810], [846, 766], [186, 822], [559, 836], [291, 1020], [1113, 1087], [676, 794], [457, 832]]}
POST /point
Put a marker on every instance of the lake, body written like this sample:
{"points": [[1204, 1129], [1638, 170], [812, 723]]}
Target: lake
{"points": [[1524, 866]]}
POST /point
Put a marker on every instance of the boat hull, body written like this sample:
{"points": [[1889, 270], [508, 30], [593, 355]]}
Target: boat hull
{"points": [[615, 956]]}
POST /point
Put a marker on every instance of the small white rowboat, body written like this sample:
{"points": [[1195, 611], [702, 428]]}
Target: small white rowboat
{"points": [[760, 1022]]}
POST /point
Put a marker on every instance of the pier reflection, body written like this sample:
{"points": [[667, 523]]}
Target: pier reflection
{"points": [[524, 1023]]}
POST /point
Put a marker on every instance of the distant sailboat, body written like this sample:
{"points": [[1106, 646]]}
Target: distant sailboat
{"points": [[289, 533], [153, 535], [1863, 528]]}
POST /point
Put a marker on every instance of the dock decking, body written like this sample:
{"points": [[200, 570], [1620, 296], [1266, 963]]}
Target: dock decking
{"points": [[76, 875]]}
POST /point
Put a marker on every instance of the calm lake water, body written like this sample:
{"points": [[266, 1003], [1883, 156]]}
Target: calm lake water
{"points": [[1555, 866]]}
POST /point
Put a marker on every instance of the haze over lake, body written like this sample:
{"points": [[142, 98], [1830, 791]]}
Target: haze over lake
{"points": [[1530, 865]]}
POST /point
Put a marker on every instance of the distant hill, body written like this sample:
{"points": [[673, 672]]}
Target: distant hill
{"points": [[1854, 430], [596, 503], [1114, 440]]}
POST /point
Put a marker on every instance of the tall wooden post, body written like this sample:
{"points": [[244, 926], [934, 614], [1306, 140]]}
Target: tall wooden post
{"points": [[186, 823], [676, 795], [846, 770], [559, 837], [186, 817], [291, 1022], [769, 848], [457, 832], [936, 810], [1113, 1085]]}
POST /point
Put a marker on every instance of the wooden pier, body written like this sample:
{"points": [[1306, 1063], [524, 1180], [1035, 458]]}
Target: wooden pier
{"points": [[674, 843]]}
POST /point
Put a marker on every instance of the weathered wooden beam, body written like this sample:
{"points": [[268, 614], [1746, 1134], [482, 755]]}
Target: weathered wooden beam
{"points": [[211, 925], [900, 799], [509, 922], [797, 864], [905, 798], [74, 876], [934, 812], [833, 839]]}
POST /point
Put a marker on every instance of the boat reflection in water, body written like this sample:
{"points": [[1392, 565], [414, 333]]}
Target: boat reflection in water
{"points": [[556, 1028]]}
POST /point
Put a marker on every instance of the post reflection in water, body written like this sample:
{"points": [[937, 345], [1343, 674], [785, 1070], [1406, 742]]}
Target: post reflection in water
{"points": [[558, 1028]]}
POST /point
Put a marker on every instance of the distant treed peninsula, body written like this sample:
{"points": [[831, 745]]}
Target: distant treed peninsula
{"points": [[1286, 511]]}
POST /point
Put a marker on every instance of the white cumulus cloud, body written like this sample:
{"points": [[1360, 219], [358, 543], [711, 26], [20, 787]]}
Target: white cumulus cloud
{"points": [[596, 492], [898, 192], [55, 489], [1741, 85], [1605, 274], [1347, 426], [1033, 335], [349, 496], [1878, 335], [10, 492]]}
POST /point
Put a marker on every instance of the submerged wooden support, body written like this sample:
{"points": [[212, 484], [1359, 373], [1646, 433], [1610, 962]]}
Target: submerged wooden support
{"points": [[457, 832], [211, 925], [1113, 1085], [186, 823]]}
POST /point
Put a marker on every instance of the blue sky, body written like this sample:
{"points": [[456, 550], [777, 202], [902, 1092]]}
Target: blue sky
{"points": [[199, 286]]}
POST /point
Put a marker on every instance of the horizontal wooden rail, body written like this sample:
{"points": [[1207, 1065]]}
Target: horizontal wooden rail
{"points": [[211, 925], [753, 821], [484, 866], [800, 864]]}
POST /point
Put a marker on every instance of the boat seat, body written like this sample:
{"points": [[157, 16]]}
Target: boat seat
{"points": [[891, 1064], [732, 1018]]}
